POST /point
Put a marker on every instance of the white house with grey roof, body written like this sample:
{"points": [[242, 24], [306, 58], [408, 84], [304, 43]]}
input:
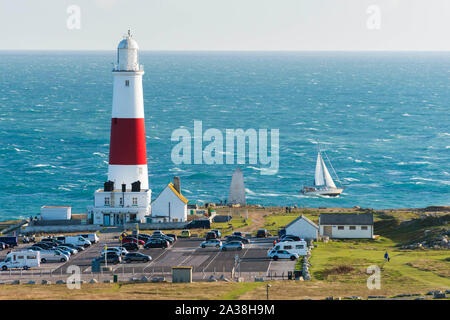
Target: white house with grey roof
{"points": [[346, 225], [302, 227]]}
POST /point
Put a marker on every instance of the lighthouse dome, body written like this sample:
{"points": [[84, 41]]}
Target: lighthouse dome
{"points": [[128, 43], [128, 54]]}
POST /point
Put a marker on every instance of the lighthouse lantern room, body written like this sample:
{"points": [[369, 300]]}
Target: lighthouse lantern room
{"points": [[126, 195]]}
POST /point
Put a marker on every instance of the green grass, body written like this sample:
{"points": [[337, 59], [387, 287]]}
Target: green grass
{"points": [[243, 288]]}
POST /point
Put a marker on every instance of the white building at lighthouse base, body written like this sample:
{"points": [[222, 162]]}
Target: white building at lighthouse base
{"points": [[115, 208]]}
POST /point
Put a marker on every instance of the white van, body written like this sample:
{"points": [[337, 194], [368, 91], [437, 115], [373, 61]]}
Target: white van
{"points": [[77, 241], [92, 237], [50, 255], [298, 247], [21, 259]]}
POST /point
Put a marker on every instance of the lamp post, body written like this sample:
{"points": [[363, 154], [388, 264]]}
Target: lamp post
{"points": [[267, 290]]}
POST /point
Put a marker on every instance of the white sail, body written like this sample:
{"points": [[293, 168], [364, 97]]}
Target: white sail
{"points": [[318, 179], [328, 180], [237, 188]]}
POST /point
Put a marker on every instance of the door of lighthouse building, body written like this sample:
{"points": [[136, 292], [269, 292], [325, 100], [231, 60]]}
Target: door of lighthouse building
{"points": [[106, 220]]}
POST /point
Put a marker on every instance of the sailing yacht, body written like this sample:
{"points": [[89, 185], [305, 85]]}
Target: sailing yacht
{"points": [[323, 182]]}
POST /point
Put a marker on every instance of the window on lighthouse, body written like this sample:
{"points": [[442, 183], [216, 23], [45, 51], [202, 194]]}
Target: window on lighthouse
{"points": [[127, 83], [106, 201]]}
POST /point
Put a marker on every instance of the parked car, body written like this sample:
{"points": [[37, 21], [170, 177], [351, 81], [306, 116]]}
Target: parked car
{"points": [[144, 237], [111, 257], [132, 239], [3, 246], [282, 254], [120, 251], [185, 234], [130, 246], [237, 233], [50, 255], [232, 245], [92, 237], [21, 259], [172, 235], [211, 235], [156, 243], [71, 250], [10, 241], [44, 245], [157, 232], [211, 243], [237, 238], [78, 248], [218, 233], [261, 233], [78, 241], [136, 256], [164, 237], [290, 238], [63, 251], [52, 241]]}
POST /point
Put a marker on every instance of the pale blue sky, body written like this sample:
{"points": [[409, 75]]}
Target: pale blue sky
{"points": [[227, 24]]}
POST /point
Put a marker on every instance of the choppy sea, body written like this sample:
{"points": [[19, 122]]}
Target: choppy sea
{"points": [[383, 119]]}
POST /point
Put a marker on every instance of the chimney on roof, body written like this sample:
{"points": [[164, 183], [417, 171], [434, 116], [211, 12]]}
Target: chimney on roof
{"points": [[177, 184]]}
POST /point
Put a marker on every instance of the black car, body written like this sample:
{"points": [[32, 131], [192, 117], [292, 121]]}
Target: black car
{"points": [[162, 236], [290, 238], [261, 233], [136, 256], [211, 235], [156, 243], [144, 237], [131, 246], [3, 246], [44, 245], [51, 241], [238, 238], [111, 257], [172, 235]]}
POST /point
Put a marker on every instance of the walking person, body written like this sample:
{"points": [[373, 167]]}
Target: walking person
{"points": [[386, 257]]}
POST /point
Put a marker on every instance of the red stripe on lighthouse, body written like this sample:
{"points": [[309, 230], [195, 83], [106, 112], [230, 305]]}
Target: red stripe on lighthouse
{"points": [[127, 146]]}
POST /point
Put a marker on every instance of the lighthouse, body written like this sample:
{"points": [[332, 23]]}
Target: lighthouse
{"points": [[127, 151], [125, 197]]}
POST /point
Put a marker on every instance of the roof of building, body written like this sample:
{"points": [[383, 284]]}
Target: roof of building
{"points": [[346, 218], [304, 218], [170, 185]]}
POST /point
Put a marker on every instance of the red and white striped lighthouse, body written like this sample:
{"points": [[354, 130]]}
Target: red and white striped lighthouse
{"points": [[127, 151]]}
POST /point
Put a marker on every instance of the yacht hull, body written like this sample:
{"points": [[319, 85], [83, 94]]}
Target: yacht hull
{"points": [[328, 192]]}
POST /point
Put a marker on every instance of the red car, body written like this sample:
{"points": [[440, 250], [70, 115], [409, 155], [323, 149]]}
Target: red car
{"points": [[131, 239]]}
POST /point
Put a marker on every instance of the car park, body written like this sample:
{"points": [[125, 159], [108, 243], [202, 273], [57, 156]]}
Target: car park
{"points": [[282, 254], [237, 238], [261, 233], [211, 243], [130, 246], [156, 243], [51, 241], [136, 256], [232, 245], [185, 234]]}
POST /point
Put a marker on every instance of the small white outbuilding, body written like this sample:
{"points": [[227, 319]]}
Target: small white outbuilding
{"points": [[56, 213], [346, 225], [170, 205], [303, 227]]}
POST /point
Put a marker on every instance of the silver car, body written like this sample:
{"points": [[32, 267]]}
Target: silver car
{"points": [[232, 245], [216, 243]]}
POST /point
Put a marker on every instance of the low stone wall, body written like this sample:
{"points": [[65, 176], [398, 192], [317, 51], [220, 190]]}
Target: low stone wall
{"points": [[61, 228], [158, 226]]}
